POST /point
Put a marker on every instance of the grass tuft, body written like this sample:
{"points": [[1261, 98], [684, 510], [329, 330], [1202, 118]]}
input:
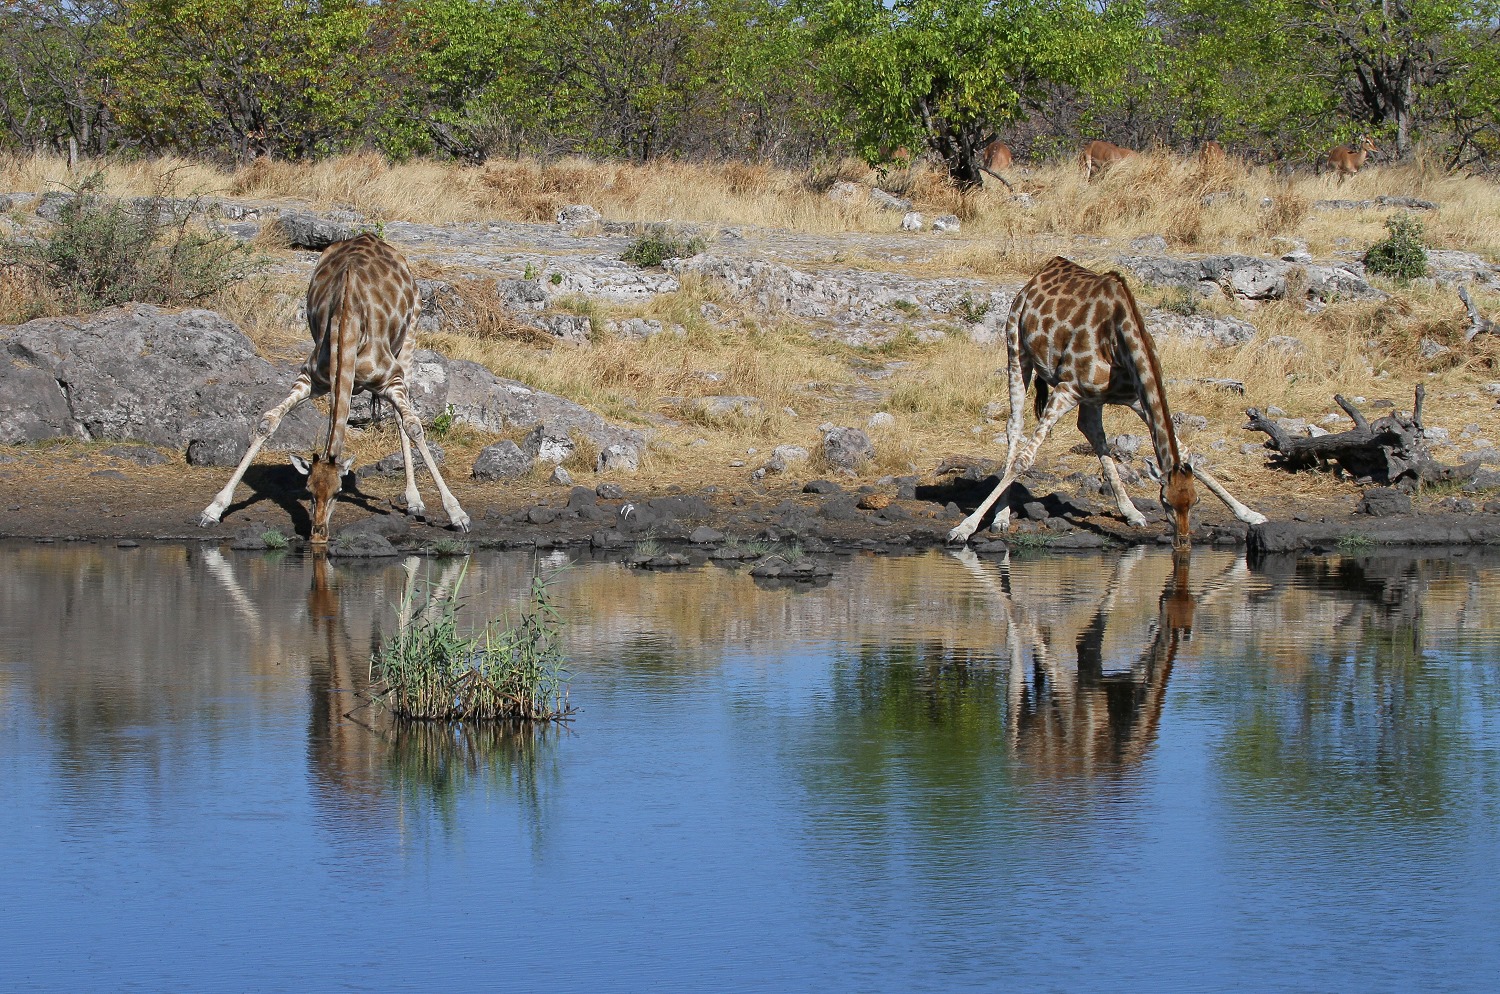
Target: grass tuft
{"points": [[431, 670]]}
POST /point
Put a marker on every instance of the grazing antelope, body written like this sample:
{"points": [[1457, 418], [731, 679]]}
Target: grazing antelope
{"points": [[1081, 335], [1099, 155], [1211, 151], [361, 308], [995, 157], [1346, 161]]}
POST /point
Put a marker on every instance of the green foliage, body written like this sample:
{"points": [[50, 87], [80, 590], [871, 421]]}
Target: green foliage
{"points": [[1401, 255], [442, 425], [432, 670], [660, 244], [973, 309], [1355, 543], [104, 251], [273, 538]]}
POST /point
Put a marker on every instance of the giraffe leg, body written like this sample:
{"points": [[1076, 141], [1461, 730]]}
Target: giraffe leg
{"points": [[1240, 510], [1064, 398], [415, 507], [301, 390], [411, 425], [1091, 423]]}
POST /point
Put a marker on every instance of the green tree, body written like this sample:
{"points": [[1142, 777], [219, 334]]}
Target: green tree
{"points": [[949, 74], [50, 90]]}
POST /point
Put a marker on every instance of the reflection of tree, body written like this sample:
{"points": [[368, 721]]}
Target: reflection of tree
{"points": [[1367, 721]]}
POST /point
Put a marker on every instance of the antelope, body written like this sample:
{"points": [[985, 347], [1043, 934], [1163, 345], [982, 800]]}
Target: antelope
{"points": [[1346, 162], [994, 157], [1098, 155]]}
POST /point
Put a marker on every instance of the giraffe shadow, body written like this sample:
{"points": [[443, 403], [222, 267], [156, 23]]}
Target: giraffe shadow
{"points": [[286, 488], [967, 493]]}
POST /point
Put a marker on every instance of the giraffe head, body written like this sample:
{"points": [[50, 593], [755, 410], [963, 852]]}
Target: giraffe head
{"points": [[325, 478], [1178, 495]]}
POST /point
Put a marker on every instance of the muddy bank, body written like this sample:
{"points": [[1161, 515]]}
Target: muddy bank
{"points": [[103, 495]]}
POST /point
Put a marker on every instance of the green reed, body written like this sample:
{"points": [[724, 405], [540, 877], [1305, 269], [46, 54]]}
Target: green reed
{"points": [[434, 670]]}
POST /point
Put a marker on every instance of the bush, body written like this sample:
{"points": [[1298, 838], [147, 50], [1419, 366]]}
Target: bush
{"points": [[105, 251], [430, 670], [660, 244], [1401, 255]]}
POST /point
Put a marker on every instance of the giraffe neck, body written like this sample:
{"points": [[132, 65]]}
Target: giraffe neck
{"points": [[343, 355], [1153, 394]]}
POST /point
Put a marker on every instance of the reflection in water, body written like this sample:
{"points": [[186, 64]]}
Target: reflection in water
{"points": [[890, 779]]}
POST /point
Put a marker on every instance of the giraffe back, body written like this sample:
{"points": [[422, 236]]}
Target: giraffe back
{"points": [[361, 306]]}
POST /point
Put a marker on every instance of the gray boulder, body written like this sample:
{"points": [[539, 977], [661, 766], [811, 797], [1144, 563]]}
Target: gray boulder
{"points": [[888, 202], [501, 461], [578, 214], [1383, 502], [1211, 329], [548, 444], [619, 457], [847, 448], [180, 381], [308, 231]]}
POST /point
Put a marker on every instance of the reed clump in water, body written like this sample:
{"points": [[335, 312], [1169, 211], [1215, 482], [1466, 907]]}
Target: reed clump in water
{"points": [[432, 670]]}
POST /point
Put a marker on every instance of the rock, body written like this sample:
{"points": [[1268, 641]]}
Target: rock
{"points": [[50, 207], [575, 328], [1383, 502], [308, 231], [560, 477], [1025, 201], [576, 214], [783, 457], [887, 202], [1190, 422], [824, 487], [1410, 203], [912, 221], [845, 192], [725, 407], [190, 379], [1150, 243], [361, 544], [393, 463], [1342, 205], [1328, 283], [619, 458], [880, 420], [1289, 344], [1431, 348], [637, 328], [610, 490], [501, 461], [704, 535], [847, 448], [1211, 329], [541, 515], [1035, 510], [946, 222], [548, 444]]}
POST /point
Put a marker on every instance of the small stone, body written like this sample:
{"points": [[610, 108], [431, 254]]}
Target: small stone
{"points": [[946, 222], [1383, 502], [880, 419], [561, 477], [610, 491], [619, 458], [912, 221]]}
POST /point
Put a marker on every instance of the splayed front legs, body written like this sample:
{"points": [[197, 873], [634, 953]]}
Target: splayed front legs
{"points": [[301, 390]]}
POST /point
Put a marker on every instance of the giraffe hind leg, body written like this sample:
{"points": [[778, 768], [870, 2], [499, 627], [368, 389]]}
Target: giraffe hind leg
{"points": [[1091, 423], [411, 425]]}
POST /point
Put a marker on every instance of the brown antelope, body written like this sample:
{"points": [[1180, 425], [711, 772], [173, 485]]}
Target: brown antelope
{"points": [[1346, 161], [994, 158], [361, 308], [1099, 155], [1211, 151], [1081, 335]]}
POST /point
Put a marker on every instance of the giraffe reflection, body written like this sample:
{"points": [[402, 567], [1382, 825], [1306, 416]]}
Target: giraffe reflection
{"points": [[1087, 719]]}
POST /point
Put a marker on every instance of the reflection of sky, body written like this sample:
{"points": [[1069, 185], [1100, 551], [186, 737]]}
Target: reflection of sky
{"points": [[738, 817]]}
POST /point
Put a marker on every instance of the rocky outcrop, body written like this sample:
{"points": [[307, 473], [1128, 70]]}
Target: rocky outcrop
{"points": [[1249, 277], [136, 372], [192, 381]]}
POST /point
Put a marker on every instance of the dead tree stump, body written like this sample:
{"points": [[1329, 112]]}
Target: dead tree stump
{"points": [[1388, 452]]}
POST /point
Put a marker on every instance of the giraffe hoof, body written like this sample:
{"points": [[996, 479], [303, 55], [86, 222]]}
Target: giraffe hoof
{"points": [[207, 520], [461, 522], [960, 534]]}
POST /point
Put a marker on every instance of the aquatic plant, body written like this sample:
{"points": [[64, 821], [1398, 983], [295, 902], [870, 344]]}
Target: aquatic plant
{"points": [[432, 670], [1029, 541], [273, 538], [450, 547], [1355, 542]]}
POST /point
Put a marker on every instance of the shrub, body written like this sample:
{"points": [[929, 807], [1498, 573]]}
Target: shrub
{"points": [[660, 244], [431, 671], [105, 251], [1401, 255]]}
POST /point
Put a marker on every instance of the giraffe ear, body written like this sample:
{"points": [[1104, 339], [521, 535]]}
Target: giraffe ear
{"points": [[301, 464], [1153, 470], [346, 465]]}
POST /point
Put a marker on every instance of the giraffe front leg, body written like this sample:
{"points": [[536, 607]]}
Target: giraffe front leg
{"points": [[1063, 400], [269, 422], [411, 425], [1239, 510]]}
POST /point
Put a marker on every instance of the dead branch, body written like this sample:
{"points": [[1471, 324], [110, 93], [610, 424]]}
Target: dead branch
{"points": [[1478, 323], [1390, 451]]}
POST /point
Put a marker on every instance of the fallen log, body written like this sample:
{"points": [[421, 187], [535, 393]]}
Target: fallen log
{"points": [[1390, 451], [1478, 323]]}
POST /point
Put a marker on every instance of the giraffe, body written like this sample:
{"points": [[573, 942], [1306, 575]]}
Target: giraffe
{"points": [[1081, 335], [361, 306]]}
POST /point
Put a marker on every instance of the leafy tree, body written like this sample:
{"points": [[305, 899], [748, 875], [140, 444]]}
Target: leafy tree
{"points": [[50, 90], [949, 74]]}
